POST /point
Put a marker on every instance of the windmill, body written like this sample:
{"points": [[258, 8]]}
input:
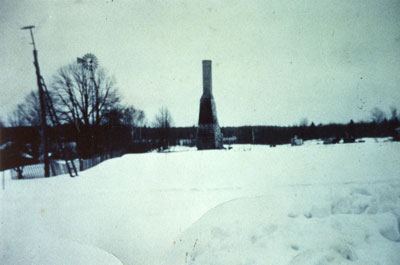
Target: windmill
{"points": [[89, 64]]}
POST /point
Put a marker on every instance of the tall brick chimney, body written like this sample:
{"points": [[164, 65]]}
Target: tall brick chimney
{"points": [[209, 134], [207, 77]]}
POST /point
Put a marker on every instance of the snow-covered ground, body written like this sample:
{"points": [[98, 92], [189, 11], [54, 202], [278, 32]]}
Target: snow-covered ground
{"points": [[310, 204]]}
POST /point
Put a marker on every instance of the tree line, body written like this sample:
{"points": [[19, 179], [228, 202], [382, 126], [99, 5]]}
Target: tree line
{"points": [[117, 133]]}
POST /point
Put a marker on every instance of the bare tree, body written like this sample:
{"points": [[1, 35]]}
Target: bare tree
{"points": [[32, 109], [163, 121], [378, 115], [127, 116], [121, 126], [134, 119], [304, 122], [82, 97], [163, 118], [26, 113], [17, 117], [393, 113]]}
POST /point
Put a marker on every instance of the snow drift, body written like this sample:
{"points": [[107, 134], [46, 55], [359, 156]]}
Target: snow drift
{"points": [[310, 204]]}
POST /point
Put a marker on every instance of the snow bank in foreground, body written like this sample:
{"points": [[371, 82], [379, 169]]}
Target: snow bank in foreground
{"points": [[43, 249], [310, 203], [301, 226]]}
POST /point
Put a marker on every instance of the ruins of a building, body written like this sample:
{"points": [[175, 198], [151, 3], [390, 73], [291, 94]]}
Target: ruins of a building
{"points": [[209, 134]]}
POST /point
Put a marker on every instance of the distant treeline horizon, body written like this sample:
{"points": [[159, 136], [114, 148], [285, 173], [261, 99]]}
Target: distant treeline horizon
{"points": [[21, 145], [120, 135]]}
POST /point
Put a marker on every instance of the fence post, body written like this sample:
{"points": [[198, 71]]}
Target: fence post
{"points": [[52, 167]]}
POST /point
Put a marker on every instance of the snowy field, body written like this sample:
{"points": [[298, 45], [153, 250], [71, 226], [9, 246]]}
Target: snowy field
{"points": [[311, 205]]}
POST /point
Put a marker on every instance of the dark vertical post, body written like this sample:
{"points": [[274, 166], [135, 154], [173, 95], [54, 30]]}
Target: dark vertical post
{"points": [[42, 107], [94, 112], [43, 118]]}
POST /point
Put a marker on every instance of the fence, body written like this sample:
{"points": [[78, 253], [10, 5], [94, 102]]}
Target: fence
{"points": [[59, 167], [28, 172], [91, 162]]}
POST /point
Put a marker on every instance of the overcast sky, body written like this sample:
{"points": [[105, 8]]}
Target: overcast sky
{"points": [[274, 62]]}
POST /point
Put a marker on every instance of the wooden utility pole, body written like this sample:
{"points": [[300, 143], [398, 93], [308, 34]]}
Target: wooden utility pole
{"points": [[42, 107]]}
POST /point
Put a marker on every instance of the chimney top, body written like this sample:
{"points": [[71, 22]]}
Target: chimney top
{"points": [[207, 82]]}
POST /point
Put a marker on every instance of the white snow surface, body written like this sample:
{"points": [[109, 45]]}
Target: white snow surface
{"points": [[310, 204]]}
